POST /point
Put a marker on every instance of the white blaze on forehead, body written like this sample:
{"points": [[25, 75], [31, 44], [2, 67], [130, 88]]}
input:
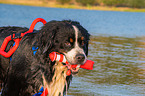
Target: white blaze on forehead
{"points": [[76, 35], [77, 49]]}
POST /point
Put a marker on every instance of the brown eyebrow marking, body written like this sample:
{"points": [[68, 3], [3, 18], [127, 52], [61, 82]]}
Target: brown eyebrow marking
{"points": [[71, 40], [82, 38]]}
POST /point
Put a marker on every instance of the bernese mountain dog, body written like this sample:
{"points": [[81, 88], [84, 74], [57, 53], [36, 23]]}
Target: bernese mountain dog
{"points": [[26, 73]]}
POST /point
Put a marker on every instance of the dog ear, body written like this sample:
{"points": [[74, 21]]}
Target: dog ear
{"points": [[49, 41], [46, 37], [87, 38], [87, 45], [87, 49]]}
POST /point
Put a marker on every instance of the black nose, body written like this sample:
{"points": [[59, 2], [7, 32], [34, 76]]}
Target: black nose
{"points": [[80, 58]]}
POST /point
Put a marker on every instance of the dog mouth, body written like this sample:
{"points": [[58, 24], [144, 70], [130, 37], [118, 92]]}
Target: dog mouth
{"points": [[75, 71], [73, 68]]}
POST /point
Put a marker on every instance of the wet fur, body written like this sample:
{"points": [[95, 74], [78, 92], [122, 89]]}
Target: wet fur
{"points": [[27, 73], [58, 84]]}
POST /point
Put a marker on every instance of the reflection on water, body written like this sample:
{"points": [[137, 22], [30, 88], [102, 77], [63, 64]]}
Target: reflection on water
{"points": [[119, 68]]}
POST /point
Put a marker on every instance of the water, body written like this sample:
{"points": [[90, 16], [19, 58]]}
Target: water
{"points": [[117, 46]]}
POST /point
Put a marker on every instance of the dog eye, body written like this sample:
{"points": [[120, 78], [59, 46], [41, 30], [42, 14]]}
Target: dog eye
{"points": [[68, 44]]}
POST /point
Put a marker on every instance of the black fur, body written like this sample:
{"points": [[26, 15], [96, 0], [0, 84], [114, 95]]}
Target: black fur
{"points": [[23, 75]]}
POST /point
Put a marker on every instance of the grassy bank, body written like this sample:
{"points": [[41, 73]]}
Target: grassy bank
{"points": [[50, 3]]}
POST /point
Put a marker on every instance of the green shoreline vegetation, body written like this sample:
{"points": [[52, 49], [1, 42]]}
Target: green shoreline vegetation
{"points": [[105, 5]]}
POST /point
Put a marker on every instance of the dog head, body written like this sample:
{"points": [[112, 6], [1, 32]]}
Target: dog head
{"points": [[66, 37], [76, 46], [72, 41]]}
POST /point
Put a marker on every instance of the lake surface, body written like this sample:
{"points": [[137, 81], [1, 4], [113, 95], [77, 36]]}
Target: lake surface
{"points": [[117, 46]]}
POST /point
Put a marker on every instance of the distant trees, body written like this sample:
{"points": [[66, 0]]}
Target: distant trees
{"points": [[116, 3], [86, 2], [113, 2], [125, 3], [63, 1], [136, 3]]}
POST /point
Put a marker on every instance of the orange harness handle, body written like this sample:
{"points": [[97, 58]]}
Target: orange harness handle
{"points": [[17, 40]]}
